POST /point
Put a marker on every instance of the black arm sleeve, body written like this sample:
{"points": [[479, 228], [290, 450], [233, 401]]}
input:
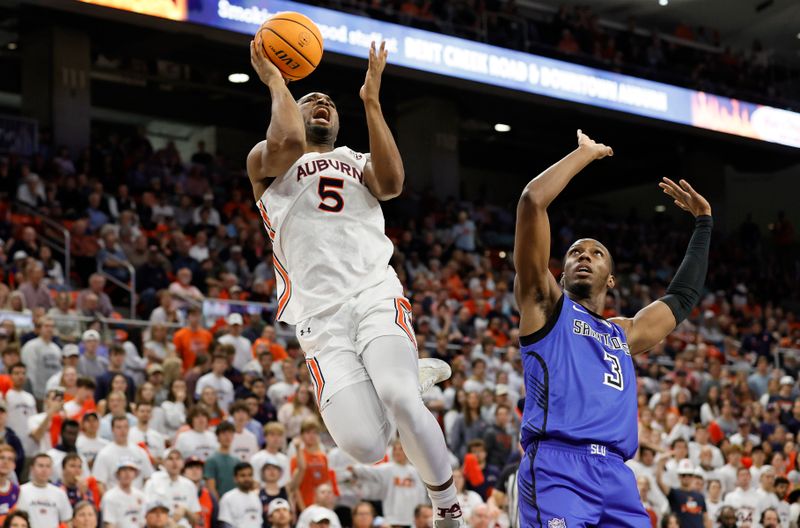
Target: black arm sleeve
{"points": [[687, 284]]}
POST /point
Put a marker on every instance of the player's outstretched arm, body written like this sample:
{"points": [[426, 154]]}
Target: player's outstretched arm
{"points": [[286, 134], [535, 287], [383, 172], [655, 321]]}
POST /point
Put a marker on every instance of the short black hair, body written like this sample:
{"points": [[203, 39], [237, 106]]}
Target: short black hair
{"points": [[70, 423], [241, 466], [225, 427]]}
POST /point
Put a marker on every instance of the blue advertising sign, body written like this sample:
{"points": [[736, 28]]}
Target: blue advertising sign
{"points": [[483, 63]]}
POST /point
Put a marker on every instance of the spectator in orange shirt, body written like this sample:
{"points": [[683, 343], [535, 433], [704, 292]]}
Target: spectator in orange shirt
{"points": [[309, 466], [267, 338], [192, 340]]}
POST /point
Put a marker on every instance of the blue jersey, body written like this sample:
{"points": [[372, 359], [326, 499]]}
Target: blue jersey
{"points": [[580, 382]]}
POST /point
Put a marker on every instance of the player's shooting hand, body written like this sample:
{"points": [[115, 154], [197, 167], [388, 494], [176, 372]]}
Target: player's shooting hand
{"points": [[372, 83], [264, 67], [598, 150], [686, 197]]}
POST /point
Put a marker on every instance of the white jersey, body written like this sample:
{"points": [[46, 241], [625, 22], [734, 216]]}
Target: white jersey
{"points": [[399, 486], [180, 492], [21, 406], [327, 232]]}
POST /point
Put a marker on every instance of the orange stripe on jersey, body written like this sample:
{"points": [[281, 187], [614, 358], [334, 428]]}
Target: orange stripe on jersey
{"points": [[283, 300], [265, 218], [403, 309], [316, 378]]}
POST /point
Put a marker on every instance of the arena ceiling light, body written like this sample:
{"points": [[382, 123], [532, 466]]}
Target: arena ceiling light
{"points": [[13, 45], [502, 127], [238, 78], [661, 208], [663, 2]]}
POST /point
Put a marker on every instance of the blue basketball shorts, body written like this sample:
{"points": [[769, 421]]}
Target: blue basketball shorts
{"points": [[561, 485]]}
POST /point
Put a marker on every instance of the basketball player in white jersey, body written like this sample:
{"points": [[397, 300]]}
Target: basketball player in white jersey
{"points": [[320, 206]]}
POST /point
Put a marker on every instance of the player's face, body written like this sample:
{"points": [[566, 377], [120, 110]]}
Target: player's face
{"points": [[587, 268], [320, 117]]}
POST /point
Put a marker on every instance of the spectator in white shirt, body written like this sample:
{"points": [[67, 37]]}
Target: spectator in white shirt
{"points": [[324, 501], [744, 434], [105, 465], [21, 405], [39, 424], [241, 344], [279, 513], [743, 499], [89, 444], [244, 444], [143, 436], [241, 507], [177, 492], [216, 379], [198, 441], [399, 485], [42, 357], [275, 436], [123, 505], [184, 294], [46, 504]]}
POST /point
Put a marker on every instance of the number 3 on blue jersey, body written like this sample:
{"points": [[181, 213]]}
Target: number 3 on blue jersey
{"points": [[615, 378]]}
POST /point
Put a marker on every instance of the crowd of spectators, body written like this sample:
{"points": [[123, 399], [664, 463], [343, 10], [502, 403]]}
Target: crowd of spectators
{"points": [[575, 33], [195, 420]]}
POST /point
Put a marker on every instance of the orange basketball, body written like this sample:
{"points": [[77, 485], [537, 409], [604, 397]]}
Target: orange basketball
{"points": [[293, 43]]}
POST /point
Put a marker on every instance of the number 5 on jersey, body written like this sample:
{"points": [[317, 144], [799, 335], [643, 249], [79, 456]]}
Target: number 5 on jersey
{"points": [[331, 200]]}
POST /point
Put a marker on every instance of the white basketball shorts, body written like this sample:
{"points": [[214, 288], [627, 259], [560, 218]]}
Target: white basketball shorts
{"points": [[334, 340]]}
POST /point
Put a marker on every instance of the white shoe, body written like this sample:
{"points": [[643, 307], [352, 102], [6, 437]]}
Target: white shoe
{"points": [[431, 372], [449, 523]]}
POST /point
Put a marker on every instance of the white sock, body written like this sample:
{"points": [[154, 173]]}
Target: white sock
{"points": [[445, 503]]}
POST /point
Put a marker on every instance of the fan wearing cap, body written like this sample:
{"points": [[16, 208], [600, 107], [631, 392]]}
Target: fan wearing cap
{"points": [[123, 504], [270, 489], [241, 507], [209, 506], [91, 364], [89, 442], [241, 344], [69, 359], [278, 514], [174, 490], [157, 515], [745, 434], [744, 499], [687, 504]]}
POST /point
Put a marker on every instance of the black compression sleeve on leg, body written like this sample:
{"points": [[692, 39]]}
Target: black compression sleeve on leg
{"points": [[687, 284]]}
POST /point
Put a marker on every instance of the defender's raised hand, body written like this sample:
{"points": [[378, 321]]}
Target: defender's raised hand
{"points": [[372, 83], [686, 197], [598, 150], [266, 70]]}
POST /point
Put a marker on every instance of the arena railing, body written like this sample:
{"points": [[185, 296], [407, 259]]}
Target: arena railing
{"points": [[130, 287], [50, 236]]}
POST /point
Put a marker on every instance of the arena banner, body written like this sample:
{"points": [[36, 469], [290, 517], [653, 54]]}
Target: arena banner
{"points": [[351, 35]]}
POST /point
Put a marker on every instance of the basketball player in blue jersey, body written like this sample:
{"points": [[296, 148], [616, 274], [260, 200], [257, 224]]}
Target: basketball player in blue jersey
{"points": [[580, 418]]}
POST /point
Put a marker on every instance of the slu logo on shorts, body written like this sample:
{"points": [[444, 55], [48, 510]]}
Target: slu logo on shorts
{"points": [[557, 523]]}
